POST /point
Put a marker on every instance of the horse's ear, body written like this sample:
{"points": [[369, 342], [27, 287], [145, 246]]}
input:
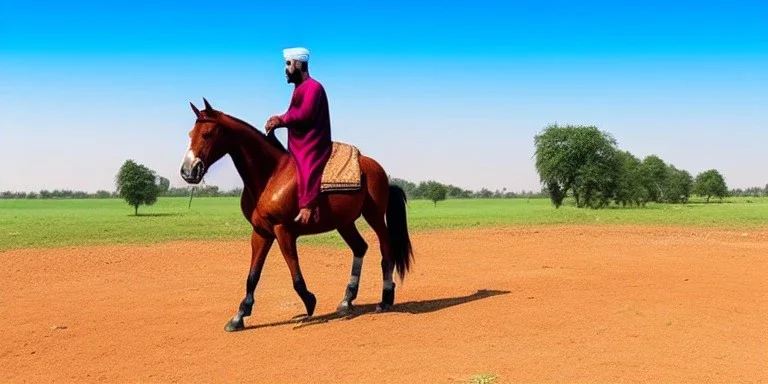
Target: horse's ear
{"points": [[194, 109], [207, 105]]}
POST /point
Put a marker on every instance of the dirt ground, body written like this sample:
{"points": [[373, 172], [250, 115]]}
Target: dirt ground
{"points": [[549, 304]]}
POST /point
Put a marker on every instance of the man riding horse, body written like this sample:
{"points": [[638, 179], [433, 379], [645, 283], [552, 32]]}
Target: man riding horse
{"points": [[309, 130], [270, 190]]}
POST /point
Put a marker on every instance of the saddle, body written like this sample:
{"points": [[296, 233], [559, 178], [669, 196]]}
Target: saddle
{"points": [[342, 170]]}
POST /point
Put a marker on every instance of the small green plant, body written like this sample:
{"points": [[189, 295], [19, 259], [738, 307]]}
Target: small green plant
{"points": [[485, 378]]}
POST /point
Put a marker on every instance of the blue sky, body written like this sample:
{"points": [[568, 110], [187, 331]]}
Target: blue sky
{"points": [[87, 85]]}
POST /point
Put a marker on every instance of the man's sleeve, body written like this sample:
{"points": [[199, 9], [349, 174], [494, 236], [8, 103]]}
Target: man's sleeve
{"points": [[304, 112]]}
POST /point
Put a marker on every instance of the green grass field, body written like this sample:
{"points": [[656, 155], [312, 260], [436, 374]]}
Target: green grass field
{"points": [[50, 223]]}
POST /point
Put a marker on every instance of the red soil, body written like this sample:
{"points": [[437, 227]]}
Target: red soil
{"points": [[549, 304]]}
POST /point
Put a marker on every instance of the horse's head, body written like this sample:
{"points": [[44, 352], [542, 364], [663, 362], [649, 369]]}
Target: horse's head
{"points": [[206, 146]]}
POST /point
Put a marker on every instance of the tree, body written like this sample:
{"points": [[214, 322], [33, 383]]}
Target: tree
{"points": [[163, 185], [663, 182], [484, 193], [581, 159], [654, 175], [102, 194], [420, 191], [678, 186], [136, 184], [458, 193], [598, 181], [710, 183], [630, 189], [556, 195], [436, 191]]}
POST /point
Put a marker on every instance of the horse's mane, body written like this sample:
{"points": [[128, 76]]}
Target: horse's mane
{"points": [[271, 139]]}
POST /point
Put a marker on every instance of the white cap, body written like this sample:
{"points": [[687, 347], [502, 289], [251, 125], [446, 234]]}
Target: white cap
{"points": [[298, 53]]}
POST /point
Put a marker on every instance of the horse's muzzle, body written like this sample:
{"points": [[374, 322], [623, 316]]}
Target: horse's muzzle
{"points": [[192, 170]]}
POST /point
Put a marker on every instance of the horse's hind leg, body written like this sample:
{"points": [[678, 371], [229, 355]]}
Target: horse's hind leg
{"points": [[359, 247], [376, 220], [287, 242]]}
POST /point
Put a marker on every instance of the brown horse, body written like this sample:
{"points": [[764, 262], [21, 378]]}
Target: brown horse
{"points": [[269, 203]]}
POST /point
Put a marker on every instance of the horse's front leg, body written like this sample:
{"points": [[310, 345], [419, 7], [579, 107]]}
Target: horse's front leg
{"points": [[287, 242], [259, 249]]}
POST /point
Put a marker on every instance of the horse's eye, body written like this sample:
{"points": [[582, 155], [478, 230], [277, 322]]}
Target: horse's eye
{"points": [[207, 134]]}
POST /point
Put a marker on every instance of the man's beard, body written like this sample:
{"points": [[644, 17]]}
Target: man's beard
{"points": [[294, 77]]}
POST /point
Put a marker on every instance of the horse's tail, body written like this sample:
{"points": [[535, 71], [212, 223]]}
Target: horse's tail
{"points": [[397, 224]]}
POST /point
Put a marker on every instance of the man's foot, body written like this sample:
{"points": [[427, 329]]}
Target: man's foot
{"points": [[305, 214]]}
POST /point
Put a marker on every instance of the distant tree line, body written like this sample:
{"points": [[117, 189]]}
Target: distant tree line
{"points": [[436, 191], [586, 164], [572, 161], [749, 192], [57, 194], [428, 190], [201, 191], [413, 190]]}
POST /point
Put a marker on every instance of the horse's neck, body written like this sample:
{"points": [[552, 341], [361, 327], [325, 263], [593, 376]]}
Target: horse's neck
{"points": [[255, 159]]}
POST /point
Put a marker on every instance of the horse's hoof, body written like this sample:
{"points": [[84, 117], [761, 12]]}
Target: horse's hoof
{"points": [[234, 325], [344, 308], [310, 303], [382, 307]]}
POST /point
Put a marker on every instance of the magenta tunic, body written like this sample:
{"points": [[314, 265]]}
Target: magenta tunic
{"points": [[309, 136]]}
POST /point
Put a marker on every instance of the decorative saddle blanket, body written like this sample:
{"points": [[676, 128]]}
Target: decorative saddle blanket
{"points": [[342, 171]]}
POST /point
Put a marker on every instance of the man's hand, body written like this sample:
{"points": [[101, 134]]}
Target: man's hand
{"points": [[272, 123]]}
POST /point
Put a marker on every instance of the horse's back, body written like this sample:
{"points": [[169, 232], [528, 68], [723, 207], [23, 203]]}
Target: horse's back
{"points": [[348, 206], [279, 199]]}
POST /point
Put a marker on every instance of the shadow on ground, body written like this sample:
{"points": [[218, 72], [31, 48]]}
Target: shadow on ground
{"points": [[412, 307]]}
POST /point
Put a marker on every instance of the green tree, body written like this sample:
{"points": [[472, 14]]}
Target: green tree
{"points": [[630, 188], [458, 193], [420, 192], [654, 173], [678, 186], [710, 183], [136, 184], [556, 195], [163, 185], [598, 181], [581, 159], [663, 182], [102, 194], [436, 192], [484, 193]]}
